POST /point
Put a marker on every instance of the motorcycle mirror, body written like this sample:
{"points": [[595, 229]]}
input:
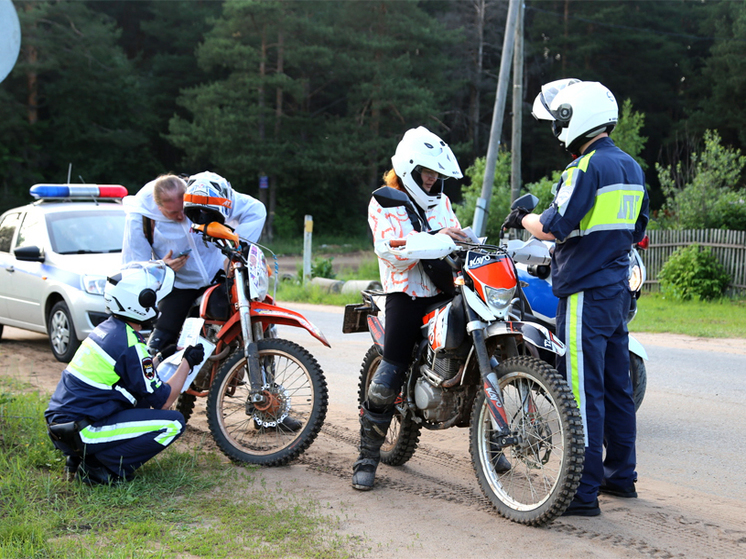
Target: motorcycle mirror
{"points": [[527, 201], [389, 197]]}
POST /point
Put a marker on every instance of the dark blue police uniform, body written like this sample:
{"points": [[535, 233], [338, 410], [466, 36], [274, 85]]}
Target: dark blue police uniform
{"points": [[600, 210], [112, 385]]}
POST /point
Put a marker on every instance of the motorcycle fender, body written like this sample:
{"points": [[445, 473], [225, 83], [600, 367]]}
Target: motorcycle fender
{"points": [[636, 348], [278, 315], [376, 331], [535, 334]]}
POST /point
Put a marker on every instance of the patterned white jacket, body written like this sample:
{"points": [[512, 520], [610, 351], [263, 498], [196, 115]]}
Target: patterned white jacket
{"points": [[398, 273]]}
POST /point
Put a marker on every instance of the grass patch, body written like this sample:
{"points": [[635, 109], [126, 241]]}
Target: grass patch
{"points": [[724, 318], [180, 504]]}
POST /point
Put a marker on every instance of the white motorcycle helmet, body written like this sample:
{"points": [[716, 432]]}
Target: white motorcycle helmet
{"points": [[420, 148], [578, 110], [135, 292], [208, 198]]}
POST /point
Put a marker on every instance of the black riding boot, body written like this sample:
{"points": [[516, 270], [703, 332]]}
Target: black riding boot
{"points": [[159, 339], [373, 428]]}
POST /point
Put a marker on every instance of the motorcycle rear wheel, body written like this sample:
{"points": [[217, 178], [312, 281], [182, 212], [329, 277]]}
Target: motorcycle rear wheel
{"points": [[403, 434], [298, 390], [547, 462], [185, 404]]}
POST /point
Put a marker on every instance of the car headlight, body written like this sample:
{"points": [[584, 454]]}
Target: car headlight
{"points": [[499, 297], [94, 284]]}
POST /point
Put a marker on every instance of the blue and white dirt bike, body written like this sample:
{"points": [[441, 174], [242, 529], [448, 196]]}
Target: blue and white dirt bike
{"points": [[540, 304]]}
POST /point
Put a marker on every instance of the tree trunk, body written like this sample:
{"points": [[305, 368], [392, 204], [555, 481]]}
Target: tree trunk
{"points": [[268, 228], [476, 93]]}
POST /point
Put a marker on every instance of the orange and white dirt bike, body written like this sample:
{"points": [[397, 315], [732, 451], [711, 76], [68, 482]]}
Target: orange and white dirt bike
{"points": [[266, 397], [473, 368]]}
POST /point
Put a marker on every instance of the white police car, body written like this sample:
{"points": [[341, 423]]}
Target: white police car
{"points": [[55, 255]]}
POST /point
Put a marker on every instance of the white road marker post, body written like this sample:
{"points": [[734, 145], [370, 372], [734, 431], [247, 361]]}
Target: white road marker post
{"points": [[307, 234]]}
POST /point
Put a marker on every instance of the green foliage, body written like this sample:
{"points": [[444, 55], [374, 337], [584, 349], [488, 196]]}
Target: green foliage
{"points": [[705, 194], [322, 268], [626, 134], [543, 190], [693, 273], [499, 202]]}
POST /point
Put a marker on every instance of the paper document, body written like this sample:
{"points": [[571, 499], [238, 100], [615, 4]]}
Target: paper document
{"points": [[469, 232], [189, 336]]}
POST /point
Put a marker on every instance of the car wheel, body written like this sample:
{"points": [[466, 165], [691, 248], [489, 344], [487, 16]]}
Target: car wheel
{"points": [[62, 333]]}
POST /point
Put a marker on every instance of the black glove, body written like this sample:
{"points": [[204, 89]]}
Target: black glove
{"points": [[513, 221], [194, 355]]}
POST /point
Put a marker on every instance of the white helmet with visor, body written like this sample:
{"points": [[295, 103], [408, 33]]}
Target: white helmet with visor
{"points": [[421, 149], [578, 110], [135, 292]]}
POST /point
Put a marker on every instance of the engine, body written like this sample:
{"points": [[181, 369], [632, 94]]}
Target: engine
{"points": [[437, 403]]}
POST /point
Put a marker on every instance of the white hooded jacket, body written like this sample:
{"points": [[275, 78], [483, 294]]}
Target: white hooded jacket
{"points": [[247, 218]]}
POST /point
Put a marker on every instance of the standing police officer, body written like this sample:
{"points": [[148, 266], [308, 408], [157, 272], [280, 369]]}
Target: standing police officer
{"points": [[599, 211]]}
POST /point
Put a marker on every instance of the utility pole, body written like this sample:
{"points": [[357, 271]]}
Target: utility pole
{"points": [[515, 150], [483, 203]]}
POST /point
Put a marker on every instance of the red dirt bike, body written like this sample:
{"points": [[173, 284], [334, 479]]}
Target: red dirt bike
{"points": [[473, 369], [266, 397]]}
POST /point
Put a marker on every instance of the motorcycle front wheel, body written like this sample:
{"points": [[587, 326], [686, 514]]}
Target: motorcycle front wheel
{"points": [[533, 481], [403, 434], [282, 428]]}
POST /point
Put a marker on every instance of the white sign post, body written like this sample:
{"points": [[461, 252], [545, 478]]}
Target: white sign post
{"points": [[307, 234]]}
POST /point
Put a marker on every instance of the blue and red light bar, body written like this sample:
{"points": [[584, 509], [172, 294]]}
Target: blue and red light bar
{"points": [[78, 191]]}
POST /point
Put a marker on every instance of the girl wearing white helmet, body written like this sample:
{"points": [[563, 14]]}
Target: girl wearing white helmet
{"points": [[421, 165]]}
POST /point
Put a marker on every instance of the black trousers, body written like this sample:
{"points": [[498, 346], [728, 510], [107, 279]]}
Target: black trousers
{"points": [[174, 309], [403, 325]]}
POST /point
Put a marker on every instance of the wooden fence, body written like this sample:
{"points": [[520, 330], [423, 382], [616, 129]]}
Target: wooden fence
{"points": [[728, 246]]}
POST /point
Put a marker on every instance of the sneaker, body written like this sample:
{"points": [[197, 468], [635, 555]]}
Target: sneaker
{"points": [[578, 508], [628, 492]]}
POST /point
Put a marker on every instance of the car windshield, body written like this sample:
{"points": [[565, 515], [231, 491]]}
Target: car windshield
{"points": [[86, 232]]}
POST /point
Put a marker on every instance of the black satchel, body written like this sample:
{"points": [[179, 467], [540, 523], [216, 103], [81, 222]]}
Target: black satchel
{"points": [[438, 270]]}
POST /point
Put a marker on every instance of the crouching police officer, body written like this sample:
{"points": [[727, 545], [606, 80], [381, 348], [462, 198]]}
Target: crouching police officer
{"points": [[109, 414]]}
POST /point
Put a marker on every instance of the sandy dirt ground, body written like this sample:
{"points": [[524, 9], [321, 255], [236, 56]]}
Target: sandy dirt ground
{"points": [[433, 507]]}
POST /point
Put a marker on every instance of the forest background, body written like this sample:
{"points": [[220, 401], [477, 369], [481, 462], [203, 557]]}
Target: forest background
{"points": [[315, 95]]}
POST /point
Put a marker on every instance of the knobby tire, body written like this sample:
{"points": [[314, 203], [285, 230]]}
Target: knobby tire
{"points": [[301, 389], [547, 463]]}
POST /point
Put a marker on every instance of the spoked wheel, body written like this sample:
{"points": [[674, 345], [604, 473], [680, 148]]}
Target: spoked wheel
{"points": [[403, 434], [282, 427], [533, 481]]}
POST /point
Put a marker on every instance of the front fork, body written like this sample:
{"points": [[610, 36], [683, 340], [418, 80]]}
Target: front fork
{"points": [[250, 349], [492, 391]]}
